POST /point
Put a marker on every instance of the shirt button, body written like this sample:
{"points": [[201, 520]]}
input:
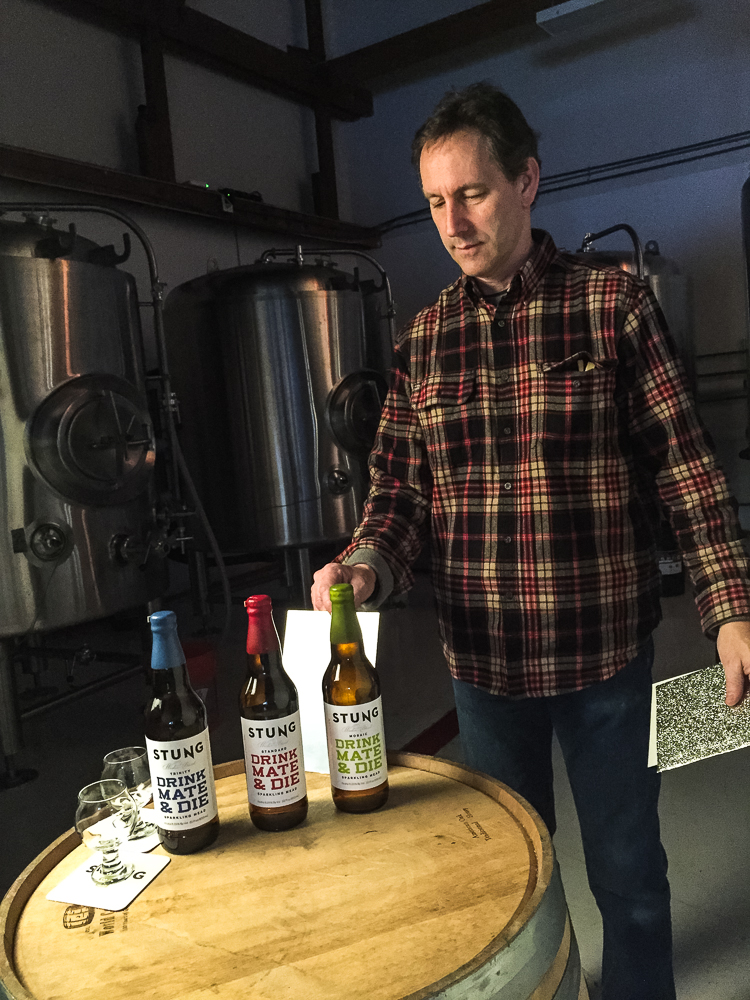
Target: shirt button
{"points": [[576, 383], [507, 539], [507, 431], [501, 322], [508, 486], [505, 377]]}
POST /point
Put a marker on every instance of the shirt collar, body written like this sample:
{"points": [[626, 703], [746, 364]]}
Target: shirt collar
{"points": [[528, 277]]}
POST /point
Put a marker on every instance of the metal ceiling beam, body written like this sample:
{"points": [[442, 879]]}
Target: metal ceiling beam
{"points": [[153, 127], [435, 39], [196, 36], [325, 191]]}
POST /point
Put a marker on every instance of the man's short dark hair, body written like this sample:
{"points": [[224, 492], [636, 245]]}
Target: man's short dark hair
{"points": [[482, 108]]}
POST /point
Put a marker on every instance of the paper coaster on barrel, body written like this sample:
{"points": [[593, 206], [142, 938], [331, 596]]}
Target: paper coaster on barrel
{"points": [[78, 887], [691, 721], [307, 653], [141, 846]]}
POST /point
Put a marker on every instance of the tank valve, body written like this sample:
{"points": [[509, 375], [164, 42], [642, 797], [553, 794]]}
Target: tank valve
{"points": [[48, 542], [338, 482], [128, 550]]}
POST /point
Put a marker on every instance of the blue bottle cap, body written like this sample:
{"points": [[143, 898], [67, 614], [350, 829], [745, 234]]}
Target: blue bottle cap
{"points": [[163, 621]]}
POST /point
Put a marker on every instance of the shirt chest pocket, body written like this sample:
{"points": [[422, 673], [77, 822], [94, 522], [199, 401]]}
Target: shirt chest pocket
{"points": [[577, 417], [453, 414]]}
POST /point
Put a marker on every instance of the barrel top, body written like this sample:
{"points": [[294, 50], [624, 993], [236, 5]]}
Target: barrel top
{"points": [[389, 904]]}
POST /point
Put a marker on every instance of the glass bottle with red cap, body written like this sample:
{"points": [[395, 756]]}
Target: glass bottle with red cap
{"points": [[271, 733]]}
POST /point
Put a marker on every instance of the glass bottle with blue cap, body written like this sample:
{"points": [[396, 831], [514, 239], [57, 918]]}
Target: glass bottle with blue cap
{"points": [[179, 750]]}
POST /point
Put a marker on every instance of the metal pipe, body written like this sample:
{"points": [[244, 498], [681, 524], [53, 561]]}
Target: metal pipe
{"points": [[298, 577], [10, 731], [200, 510], [629, 167], [71, 696], [10, 728], [622, 226], [198, 569], [97, 656]]}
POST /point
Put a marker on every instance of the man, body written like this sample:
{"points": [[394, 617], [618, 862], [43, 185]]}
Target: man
{"points": [[537, 420]]}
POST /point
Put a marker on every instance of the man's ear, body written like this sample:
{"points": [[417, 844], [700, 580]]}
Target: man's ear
{"points": [[528, 181]]}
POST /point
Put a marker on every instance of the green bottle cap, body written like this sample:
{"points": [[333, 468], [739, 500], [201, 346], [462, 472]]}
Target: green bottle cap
{"points": [[341, 592]]}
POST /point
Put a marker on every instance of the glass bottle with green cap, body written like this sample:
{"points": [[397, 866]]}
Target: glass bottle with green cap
{"points": [[179, 751], [354, 713]]}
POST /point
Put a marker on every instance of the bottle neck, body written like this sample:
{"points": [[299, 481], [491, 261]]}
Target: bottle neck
{"points": [[171, 680], [263, 649], [266, 664], [262, 637], [345, 625], [268, 692], [166, 651]]}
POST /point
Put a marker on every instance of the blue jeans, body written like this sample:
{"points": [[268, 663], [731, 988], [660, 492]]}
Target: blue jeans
{"points": [[603, 732]]}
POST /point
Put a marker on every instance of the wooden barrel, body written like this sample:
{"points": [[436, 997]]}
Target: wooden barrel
{"points": [[451, 891]]}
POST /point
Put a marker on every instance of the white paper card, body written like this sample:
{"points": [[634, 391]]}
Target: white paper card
{"points": [[307, 653], [690, 720], [79, 888], [652, 757]]}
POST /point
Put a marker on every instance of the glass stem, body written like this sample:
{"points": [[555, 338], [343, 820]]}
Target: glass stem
{"points": [[112, 867]]}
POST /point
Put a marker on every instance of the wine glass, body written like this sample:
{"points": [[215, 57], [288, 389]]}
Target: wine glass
{"points": [[105, 817], [130, 765]]}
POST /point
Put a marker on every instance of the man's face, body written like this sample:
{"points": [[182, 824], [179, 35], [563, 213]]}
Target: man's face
{"points": [[483, 218]]}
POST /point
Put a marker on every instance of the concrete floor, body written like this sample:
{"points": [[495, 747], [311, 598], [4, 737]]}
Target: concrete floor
{"points": [[705, 807]]}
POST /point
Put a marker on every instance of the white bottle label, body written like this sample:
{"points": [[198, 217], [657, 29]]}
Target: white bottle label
{"points": [[356, 745], [274, 762], [182, 777]]}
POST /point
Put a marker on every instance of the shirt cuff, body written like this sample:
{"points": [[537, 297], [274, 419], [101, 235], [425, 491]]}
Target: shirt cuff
{"points": [[384, 583], [713, 633]]}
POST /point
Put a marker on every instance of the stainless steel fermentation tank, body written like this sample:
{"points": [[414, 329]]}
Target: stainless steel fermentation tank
{"points": [[278, 367], [77, 451], [76, 440]]}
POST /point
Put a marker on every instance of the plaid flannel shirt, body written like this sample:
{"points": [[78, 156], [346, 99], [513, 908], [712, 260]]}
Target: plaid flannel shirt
{"points": [[540, 483]]}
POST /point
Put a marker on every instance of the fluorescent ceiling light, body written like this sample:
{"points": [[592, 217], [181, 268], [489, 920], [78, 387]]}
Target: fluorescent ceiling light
{"points": [[582, 15]]}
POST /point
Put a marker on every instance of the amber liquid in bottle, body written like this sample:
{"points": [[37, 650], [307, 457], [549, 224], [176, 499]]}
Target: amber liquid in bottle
{"points": [[354, 713], [178, 749], [269, 706]]}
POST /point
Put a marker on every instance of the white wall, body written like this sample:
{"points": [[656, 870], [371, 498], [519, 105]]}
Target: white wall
{"points": [[677, 77]]}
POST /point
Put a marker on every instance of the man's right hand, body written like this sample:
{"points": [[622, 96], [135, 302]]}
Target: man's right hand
{"points": [[361, 576]]}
